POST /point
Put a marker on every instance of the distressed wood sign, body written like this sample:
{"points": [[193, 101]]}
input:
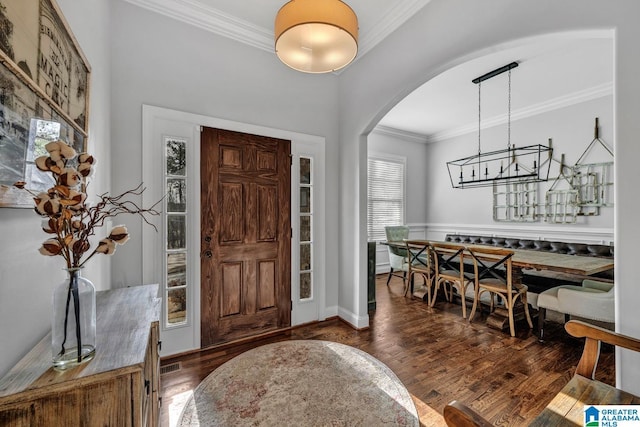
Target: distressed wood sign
{"points": [[44, 92]]}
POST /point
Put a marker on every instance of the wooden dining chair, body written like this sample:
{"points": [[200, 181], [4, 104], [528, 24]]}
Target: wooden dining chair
{"points": [[421, 263], [495, 275], [450, 272], [457, 414]]}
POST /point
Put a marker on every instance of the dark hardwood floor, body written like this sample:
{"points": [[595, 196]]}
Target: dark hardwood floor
{"points": [[438, 356]]}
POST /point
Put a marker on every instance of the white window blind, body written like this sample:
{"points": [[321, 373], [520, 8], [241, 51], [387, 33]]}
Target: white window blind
{"points": [[385, 195]]}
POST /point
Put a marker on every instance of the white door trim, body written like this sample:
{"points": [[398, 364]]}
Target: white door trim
{"points": [[153, 119], [311, 309]]}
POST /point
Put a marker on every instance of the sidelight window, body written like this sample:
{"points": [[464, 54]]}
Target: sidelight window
{"points": [[306, 227], [175, 220]]}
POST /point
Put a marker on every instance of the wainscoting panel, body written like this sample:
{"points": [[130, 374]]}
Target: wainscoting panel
{"points": [[564, 233]]}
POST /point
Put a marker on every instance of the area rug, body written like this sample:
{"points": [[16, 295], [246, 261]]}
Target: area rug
{"points": [[301, 383]]}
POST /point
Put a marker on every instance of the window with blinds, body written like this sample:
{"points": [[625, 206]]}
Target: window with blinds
{"points": [[385, 194]]}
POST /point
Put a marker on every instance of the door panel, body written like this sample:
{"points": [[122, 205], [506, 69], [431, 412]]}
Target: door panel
{"points": [[246, 235], [231, 288], [267, 213], [231, 203], [266, 284]]}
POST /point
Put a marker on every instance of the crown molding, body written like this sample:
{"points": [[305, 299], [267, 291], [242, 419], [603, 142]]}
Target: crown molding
{"points": [[388, 23], [194, 13], [401, 134], [574, 98]]}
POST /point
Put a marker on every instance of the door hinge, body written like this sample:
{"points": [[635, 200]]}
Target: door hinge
{"points": [[291, 159], [291, 306]]}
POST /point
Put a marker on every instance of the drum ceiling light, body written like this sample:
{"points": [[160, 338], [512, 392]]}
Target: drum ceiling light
{"points": [[316, 36]]}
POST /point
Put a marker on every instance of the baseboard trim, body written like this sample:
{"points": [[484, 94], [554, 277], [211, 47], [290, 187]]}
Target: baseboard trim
{"points": [[358, 322]]}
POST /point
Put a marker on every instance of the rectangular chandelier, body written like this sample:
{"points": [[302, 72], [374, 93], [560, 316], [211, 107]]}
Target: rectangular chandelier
{"points": [[514, 164], [530, 163]]}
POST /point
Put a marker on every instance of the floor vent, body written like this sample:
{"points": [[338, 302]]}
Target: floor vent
{"points": [[170, 368]]}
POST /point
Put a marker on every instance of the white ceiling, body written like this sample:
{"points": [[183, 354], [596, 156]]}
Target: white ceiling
{"points": [[251, 21], [372, 14], [554, 71]]}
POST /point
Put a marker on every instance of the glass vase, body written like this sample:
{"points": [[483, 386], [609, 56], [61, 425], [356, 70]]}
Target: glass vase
{"points": [[73, 328]]}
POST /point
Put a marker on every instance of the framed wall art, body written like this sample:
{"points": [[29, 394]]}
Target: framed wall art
{"points": [[44, 92]]}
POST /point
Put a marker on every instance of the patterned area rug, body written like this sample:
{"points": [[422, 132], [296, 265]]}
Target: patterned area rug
{"points": [[301, 383]]}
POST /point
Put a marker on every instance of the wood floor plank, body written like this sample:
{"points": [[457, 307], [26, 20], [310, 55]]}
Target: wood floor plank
{"points": [[437, 354]]}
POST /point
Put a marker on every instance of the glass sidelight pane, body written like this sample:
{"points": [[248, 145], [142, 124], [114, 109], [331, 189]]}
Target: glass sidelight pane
{"points": [[176, 195], [305, 256], [176, 232], [177, 306], [305, 171], [306, 195], [305, 285], [305, 200], [176, 269], [305, 228], [176, 157]]}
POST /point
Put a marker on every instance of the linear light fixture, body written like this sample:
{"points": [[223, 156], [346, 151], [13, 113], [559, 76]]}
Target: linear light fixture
{"points": [[514, 164]]}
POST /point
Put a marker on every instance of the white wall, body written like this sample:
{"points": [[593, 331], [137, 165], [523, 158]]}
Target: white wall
{"points": [[571, 129], [446, 33], [166, 63], [27, 278]]}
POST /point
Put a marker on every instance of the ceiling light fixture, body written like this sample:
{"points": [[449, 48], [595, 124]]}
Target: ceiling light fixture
{"points": [[513, 164], [316, 36]]}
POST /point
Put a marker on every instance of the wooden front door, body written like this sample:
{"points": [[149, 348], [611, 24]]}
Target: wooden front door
{"points": [[246, 235]]}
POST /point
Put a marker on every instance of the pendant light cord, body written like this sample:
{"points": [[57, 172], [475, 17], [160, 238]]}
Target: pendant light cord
{"points": [[509, 114], [479, 114]]}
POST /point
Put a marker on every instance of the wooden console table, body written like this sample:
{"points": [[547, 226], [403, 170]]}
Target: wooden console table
{"points": [[119, 387]]}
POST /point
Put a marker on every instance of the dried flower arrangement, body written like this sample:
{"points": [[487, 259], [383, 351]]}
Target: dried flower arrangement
{"points": [[71, 219], [71, 222]]}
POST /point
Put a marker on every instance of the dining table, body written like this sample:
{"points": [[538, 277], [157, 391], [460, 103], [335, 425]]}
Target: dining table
{"points": [[524, 259]]}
